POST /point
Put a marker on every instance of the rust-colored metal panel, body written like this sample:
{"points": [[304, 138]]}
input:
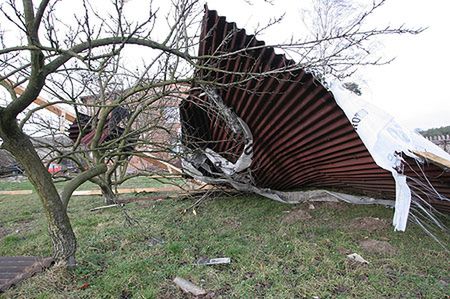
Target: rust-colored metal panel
{"points": [[302, 138]]}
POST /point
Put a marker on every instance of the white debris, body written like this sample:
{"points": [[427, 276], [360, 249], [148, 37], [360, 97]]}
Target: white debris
{"points": [[357, 258], [189, 287], [386, 140]]}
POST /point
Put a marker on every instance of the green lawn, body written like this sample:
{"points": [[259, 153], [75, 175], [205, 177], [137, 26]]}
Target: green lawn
{"points": [[274, 253], [23, 184]]}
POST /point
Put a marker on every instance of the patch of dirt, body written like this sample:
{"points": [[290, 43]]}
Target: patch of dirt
{"points": [[4, 232], [340, 289], [23, 225], [343, 251], [335, 205], [262, 287], [378, 247], [445, 281], [125, 294], [20, 226], [232, 223], [224, 292], [370, 224], [295, 216]]}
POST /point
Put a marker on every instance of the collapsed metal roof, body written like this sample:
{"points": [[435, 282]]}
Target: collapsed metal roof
{"points": [[301, 138]]}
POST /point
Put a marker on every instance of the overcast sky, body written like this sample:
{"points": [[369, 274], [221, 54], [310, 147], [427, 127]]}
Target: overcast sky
{"points": [[413, 88]]}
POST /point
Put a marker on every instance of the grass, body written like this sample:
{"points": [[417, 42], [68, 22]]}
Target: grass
{"points": [[21, 183], [271, 257]]}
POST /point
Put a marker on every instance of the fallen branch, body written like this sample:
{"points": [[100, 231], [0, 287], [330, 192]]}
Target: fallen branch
{"points": [[107, 207]]}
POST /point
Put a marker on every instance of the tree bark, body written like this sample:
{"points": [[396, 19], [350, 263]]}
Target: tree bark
{"points": [[108, 194], [59, 227]]}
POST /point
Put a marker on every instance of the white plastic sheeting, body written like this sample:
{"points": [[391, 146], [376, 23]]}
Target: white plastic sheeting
{"points": [[385, 139]]}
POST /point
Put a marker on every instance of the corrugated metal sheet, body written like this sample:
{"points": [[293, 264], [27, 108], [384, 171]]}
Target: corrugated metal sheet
{"points": [[82, 125], [302, 138]]}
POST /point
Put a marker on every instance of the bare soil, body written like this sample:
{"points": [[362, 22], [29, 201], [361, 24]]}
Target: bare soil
{"points": [[296, 215], [377, 247], [370, 224]]}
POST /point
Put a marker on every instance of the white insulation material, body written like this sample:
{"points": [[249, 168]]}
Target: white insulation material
{"points": [[386, 140]]}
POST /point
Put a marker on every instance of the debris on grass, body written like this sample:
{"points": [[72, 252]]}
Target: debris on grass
{"points": [[357, 258], [214, 261], [189, 287], [106, 207], [153, 241]]}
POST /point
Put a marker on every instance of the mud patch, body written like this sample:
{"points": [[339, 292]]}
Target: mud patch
{"points": [[370, 224], [378, 247], [295, 216]]}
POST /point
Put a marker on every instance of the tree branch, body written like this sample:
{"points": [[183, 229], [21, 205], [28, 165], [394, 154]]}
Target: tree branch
{"points": [[73, 184]]}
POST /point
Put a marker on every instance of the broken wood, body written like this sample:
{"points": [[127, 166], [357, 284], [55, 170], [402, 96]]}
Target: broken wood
{"points": [[150, 198], [163, 164], [139, 190], [16, 192], [106, 207], [40, 101], [128, 190], [439, 161], [189, 287]]}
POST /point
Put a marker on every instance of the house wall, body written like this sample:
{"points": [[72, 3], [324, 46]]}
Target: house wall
{"points": [[443, 141]]}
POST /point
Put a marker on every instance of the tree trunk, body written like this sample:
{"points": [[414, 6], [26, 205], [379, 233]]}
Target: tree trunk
{"points": [[60, 230], [108, 194]]}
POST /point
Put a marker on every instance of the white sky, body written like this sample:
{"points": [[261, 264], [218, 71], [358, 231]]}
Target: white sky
{"points": [[413, 88]]}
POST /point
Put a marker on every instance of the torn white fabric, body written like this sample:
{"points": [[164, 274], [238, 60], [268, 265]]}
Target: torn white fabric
{"points": [[385, 140]]}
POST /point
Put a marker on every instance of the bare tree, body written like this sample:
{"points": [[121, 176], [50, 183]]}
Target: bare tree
{"points": [[341, 39], [90, 58], [67, 64]]}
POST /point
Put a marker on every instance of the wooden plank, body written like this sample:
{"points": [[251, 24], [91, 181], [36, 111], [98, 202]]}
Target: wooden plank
{"points": [[159, 163], [16, 192], [439, 161], [52, 108], [25, 267]]}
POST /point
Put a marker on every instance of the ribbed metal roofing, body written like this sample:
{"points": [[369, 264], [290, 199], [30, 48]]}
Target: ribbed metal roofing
{"points": [[302, 138]]}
